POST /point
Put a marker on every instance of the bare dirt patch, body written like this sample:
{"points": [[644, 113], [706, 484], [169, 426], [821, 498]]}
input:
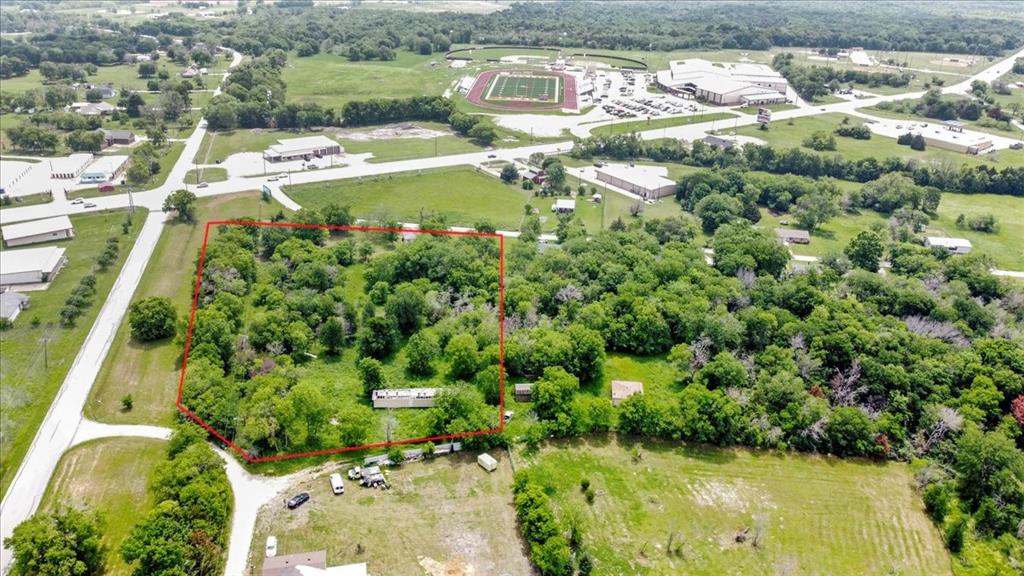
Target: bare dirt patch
{"points": [[391, 132]]}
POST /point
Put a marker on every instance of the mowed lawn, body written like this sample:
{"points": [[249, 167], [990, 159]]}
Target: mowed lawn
{"points": [[447, 510], [35, 360], [791, 133], [463, 195], [217, 146], [331, 80], [121, 75], [819, 515], [110, 476], [644, 124], [150, 371]]}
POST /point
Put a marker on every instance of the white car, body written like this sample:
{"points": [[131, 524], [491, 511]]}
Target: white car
{"points": [[272, 179], [78, 201], [202, 185], [271, 546], [337, 486]]}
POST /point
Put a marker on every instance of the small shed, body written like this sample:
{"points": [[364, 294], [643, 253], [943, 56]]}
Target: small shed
{"points": [[523, 392], [622, 389], [11, 305], [487, 462]]}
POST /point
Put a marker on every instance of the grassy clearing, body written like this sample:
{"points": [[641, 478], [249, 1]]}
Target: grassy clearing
{"points": [[32, 369], [111, 476], [790, 134], [641, 125], [206, 175], [149, 372], [772, 107], [449, 510], [463, 195], [331, 80], [121, 76], [1002, 246], [820, 515], [29, 200]]}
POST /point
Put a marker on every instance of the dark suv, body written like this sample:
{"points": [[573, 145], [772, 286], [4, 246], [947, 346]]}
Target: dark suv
{"points": [[298, 500]]}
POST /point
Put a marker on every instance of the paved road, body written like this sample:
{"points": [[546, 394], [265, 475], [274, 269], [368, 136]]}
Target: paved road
{"points": [[62, 421], [60, 428], [64, 418]]}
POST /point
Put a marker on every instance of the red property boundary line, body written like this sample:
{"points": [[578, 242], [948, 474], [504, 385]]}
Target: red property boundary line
{"points": [[476, 93], [501, 340]]}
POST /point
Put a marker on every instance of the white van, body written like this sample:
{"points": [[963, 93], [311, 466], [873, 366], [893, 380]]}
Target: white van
{"points": [[337, 486], [271, 546]]}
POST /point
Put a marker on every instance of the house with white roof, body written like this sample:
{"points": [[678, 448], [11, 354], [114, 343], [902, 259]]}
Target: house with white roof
{"points": [[302, 148], [36, 231], [31, 265], [648, 182], [12, 303], [104, 169], [727, 84], [952, 245], [404, 397]]}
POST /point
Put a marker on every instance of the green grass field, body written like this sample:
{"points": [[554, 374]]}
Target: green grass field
{"points": [[641, 125], [791, 133], [332, 80], [524, 87], [110, 476], [149, 372], [29, 200], [462, 195], [206, 175], [35, 360], [1003, 246], [121, 75], [815, 515], [445, 510]]}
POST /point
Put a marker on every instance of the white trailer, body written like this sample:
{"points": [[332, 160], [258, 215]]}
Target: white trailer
{"points": [[487, 462]]}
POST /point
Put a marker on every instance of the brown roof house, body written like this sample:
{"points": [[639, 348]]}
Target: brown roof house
{"points": [[622, 389], [309, 564]]}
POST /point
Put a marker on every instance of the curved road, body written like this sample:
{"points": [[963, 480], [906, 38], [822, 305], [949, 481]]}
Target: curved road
{"points": [[64, 425]]}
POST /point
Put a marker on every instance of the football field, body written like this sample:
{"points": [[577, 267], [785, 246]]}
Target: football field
{"points": [[516, 87]]}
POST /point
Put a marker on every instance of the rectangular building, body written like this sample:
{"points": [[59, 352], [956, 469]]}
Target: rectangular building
{"points": [[104, 169], [727, 84], [112, 137], [649, 182], [952, 245], [36, 231], [302, 149], [523, 392], [30, 266], [404, 398], [790, 236]]}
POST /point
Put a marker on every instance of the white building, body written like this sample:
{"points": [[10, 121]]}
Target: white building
{"points": [[302, 148], [727, 84], [30, 266], [564, 206], [12, 303], [404, 398], [104, 169], [36, 231], [953, 245], [649, 182]]}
